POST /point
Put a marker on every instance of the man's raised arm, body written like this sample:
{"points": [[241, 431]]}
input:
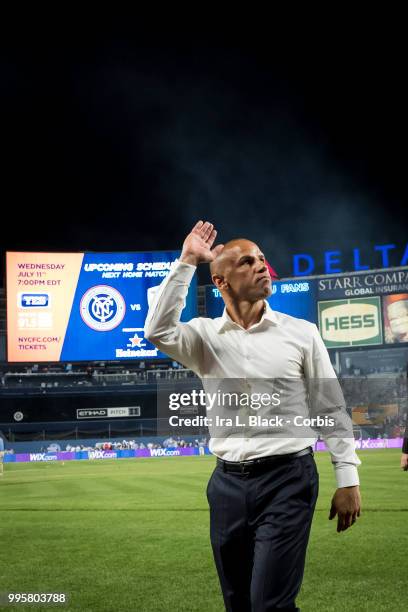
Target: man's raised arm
{"points": [[181, 341]]}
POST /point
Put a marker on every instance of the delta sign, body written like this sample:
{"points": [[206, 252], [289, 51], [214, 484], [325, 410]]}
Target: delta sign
{"points": [[333, 261]]}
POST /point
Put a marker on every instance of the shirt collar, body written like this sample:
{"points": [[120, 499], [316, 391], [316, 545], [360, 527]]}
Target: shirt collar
{"points": [[225, 320]]}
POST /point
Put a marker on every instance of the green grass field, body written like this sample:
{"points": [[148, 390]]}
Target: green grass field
{"points": [[133, 534]]}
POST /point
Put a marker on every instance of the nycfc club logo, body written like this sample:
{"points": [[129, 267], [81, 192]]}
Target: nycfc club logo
{"points": [[102, 308]]}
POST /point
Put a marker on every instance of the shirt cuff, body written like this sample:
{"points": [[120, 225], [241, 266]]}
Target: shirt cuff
{"points": [[183, 270], [346, 475]]}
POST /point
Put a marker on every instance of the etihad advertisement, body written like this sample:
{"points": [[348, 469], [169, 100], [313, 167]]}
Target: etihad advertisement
{"points": [[84, 306]]}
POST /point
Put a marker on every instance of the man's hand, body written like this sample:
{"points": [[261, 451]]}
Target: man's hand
{"points": [[346, 503], [197, 245], [404, 462]]}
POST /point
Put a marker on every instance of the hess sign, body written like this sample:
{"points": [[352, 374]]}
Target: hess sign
{"points": [[355, 322]]}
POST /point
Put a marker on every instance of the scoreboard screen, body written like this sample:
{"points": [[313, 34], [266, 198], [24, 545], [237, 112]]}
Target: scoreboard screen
{"points": [[84, 306], [295, 298]]}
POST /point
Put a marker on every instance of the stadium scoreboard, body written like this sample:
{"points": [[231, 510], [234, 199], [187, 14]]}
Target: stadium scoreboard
{"points": [[85, 306], [92, 306]]}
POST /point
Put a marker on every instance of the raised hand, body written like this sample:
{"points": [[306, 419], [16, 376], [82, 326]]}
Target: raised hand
{"points": [[197, 245]]}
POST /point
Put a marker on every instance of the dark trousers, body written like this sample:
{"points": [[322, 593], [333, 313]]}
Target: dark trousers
{"points": [[260, 525]]}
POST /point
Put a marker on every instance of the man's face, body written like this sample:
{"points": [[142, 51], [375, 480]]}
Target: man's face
{"points": [[245, 274], [398, 318]]}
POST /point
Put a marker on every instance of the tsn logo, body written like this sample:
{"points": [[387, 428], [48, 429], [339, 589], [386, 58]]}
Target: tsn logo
{"points": [[350, 322], [33, 300]]}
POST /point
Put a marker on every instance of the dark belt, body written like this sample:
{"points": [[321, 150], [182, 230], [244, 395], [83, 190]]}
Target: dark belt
{"points": [[263, 463]]}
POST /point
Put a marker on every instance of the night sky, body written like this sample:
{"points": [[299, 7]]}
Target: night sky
{"points": [[112, 145]]}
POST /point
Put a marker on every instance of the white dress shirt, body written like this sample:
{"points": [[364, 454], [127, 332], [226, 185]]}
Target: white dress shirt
{"points": [[277, 347]]}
